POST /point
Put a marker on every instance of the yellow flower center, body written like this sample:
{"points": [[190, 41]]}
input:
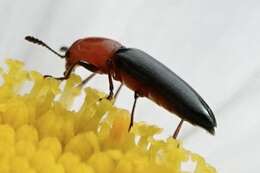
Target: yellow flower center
{"points": [[39, 133]]}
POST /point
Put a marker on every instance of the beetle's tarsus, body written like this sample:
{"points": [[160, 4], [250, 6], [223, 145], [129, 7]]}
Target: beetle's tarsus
{"points": [[57, 78], [109, 98], [130, 126]]}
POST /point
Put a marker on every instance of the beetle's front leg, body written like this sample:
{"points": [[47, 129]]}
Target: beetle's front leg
{"points": [[66, 73], [111, 87], [57, 78]]}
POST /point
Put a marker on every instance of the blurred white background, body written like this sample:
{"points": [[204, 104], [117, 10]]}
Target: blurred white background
{"points": [[213, 45]]}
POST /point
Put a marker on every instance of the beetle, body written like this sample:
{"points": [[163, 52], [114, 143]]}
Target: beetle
{"points": [[140, 72]]}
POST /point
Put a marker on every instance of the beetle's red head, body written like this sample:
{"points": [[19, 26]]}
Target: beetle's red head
{"points": [[93, 51]]}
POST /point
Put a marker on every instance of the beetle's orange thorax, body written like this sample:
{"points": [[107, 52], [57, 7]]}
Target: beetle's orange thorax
{"points": [[93, 50]]}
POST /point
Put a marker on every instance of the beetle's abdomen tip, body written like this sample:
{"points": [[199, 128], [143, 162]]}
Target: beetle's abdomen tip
{"points": [[209, 121], [212, 116], [211, 131], [211, 124]]}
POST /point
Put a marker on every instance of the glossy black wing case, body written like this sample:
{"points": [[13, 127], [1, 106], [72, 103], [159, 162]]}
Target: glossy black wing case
{"points": [[185, 101]]}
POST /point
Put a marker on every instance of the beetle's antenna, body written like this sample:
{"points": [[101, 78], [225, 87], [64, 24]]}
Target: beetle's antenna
{"points": [[39, 42]]}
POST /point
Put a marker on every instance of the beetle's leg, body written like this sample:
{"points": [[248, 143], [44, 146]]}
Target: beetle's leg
{"points": [[66, 73], [132, 112], [118, 90], [177, 130], [111, 87], [89, 67], [86, 80]]}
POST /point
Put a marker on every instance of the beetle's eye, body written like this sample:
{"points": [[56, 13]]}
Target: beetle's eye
{"points": [[64, 49], [67, 54]]}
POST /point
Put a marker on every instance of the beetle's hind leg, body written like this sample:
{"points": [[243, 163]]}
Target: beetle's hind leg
{"points": [[132, 112], [177, 130]]}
